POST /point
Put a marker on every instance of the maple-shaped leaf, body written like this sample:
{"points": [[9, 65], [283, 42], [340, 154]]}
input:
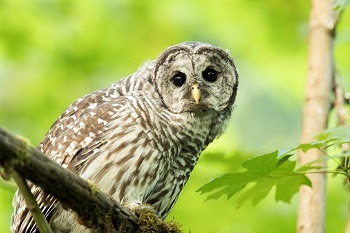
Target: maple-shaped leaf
{"points": [[264, 172]]}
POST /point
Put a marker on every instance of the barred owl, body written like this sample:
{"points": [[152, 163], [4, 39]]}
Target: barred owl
{"points": [[139, 139]]}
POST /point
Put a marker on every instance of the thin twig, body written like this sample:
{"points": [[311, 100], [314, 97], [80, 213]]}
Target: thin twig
{"points": [[31, 203], [330, 157]]}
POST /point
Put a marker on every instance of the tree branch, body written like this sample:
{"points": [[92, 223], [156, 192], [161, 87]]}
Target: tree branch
{"points": [[95, 208], [312, 201]]}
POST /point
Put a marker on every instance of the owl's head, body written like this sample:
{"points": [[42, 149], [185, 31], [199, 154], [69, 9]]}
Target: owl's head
{"points": [[194, 76]]}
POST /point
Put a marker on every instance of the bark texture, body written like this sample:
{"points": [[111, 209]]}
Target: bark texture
{"points": [[312, 202]]}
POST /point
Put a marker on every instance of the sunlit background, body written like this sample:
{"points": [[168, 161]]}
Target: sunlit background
{"points": [[53, 52]]}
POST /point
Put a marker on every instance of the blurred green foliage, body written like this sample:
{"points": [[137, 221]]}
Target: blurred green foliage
{"points": [[54, 51]]}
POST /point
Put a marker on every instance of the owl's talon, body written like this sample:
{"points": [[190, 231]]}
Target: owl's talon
{"points": [[146, 207], [133, 206], [138, 207]]}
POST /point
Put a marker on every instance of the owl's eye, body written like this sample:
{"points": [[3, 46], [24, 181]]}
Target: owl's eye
{"points": [[210, 74], [179, 79]]}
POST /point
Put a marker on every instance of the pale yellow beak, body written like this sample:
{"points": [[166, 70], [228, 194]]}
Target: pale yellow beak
{"points": [[196, 92]]}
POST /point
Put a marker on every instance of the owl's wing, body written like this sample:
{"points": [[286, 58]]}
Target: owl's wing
{"points": [[71, 141]]}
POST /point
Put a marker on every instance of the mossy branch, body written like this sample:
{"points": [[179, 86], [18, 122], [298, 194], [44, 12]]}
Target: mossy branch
{"points": [[95, 208]]}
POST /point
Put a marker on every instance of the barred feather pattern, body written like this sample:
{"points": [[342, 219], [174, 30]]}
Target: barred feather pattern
{"points": [[125, 141]]}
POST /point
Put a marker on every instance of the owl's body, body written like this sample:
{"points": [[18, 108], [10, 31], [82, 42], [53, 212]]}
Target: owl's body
{"points": [[131, 140]]}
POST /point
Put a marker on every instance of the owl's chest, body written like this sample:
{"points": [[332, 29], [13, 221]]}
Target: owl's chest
{"points": [[188, 132], [183, 142]]}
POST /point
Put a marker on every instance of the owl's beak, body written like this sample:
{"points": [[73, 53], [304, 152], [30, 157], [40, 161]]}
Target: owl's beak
{"points": [[196, 92]]}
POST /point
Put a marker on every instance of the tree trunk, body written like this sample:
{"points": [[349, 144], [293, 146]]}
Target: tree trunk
{"points": [[312, 202]]}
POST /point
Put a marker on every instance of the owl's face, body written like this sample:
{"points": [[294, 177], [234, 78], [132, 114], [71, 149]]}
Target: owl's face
{"points": [[194, 77]]}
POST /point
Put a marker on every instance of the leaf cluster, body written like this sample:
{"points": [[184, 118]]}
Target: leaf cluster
{"points": [[277, 169]]}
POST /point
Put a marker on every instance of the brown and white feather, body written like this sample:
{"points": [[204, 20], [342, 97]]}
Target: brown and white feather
{"points": [[131, 140]]}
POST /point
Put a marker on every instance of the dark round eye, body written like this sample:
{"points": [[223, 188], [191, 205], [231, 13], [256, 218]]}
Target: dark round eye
{"points": [[179, 79], [210, 75]]}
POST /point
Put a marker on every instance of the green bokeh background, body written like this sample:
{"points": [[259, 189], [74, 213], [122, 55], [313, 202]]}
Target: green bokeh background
{"points": [[53, 52]]}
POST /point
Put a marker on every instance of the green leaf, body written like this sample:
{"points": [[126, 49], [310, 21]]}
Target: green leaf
{"points": [[289, 186], [314, 145], [339, 133], [341, 5], [275, 169], [329, 137], [264, 172]]}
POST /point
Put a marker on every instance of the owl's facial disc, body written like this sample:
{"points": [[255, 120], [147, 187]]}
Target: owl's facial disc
{"points": [[195, 78]]}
